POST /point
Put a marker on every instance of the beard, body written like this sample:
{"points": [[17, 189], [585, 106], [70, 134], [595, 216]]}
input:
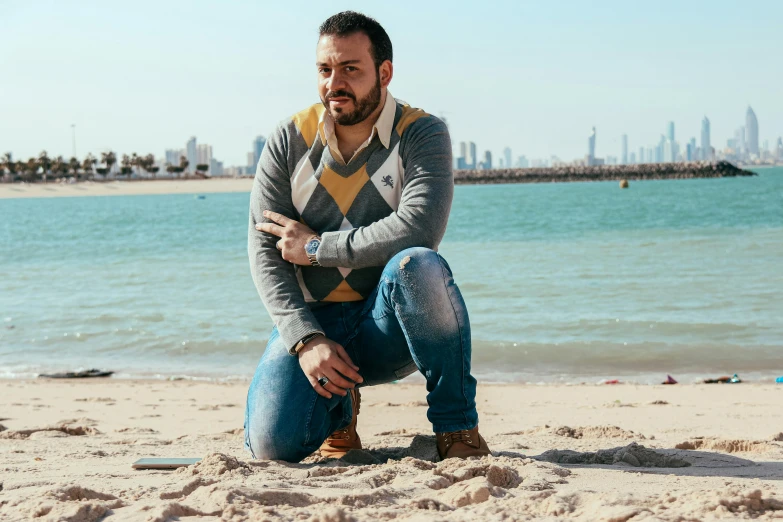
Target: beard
{"points": [[362, 108]]}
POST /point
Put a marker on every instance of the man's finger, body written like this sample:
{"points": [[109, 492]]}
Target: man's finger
{"points": [[271, 228], [345, 357], [318, 388], [337, 379], [277, 218], [335, 389], [343, 367]]}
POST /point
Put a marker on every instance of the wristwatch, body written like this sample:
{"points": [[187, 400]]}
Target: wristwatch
{"points": [[306, 339], [311, 248]]}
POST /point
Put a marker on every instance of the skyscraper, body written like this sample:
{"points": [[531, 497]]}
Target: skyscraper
{"points": [[670, 131], [472, 158], [641, 154], [173, 155], [706, 148], [190, 152], [258, 147], [591, 148], [487, 160], [624, 155], [507, 156], [751, 132], [203, 154], [779, 149]]}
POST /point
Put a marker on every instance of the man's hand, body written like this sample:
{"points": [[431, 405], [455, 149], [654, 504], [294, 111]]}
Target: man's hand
{"points": [[293, 236], [322, 357]]}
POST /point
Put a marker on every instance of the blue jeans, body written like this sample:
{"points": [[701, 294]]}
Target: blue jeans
{"points": [[415, 319]]}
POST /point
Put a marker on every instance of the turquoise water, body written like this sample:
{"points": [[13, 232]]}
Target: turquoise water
{"points": [[562, 281]]}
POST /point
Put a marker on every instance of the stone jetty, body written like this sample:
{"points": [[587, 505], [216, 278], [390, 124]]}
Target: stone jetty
{"points": [[684, 170]]}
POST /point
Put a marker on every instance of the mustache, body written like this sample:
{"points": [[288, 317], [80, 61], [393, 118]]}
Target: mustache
{"points": [[339, 94]]}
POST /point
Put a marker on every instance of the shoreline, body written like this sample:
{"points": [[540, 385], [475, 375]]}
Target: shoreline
{"points": [[144, 187], [218, 185]]}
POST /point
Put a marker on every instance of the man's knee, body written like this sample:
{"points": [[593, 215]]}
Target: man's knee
{"points": [[271, 441], [415, 262]]}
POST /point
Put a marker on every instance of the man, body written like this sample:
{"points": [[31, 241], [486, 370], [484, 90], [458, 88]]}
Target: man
{"points": [[350, 201]]}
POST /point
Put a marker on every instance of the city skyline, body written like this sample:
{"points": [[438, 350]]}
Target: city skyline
{"points": [[189, 68]]}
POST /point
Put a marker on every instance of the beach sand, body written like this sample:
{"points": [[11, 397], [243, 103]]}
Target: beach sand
{"points": [[66, 449], [125, 188]]}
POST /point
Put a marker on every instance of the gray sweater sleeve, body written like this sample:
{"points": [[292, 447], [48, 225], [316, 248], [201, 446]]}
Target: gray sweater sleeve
{"points": [[420, 219], [275, 278]]}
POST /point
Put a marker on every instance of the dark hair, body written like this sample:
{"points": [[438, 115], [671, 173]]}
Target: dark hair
{"points": [[351, 22]]}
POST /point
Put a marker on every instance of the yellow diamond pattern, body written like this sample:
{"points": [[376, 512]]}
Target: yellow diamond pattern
{"points": [[344, 190]]}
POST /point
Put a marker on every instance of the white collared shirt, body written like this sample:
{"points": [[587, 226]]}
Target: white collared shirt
{"points": [[382, 127]]}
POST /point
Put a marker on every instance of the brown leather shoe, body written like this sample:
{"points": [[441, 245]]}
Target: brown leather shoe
{"points": [[342, 441], [461, 444]]}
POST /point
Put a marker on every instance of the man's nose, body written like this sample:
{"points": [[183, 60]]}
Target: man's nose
{"points": [[336, 81]]}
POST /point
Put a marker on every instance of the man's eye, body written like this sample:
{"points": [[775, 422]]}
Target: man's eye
{"points": [[350, 69], [323, 71]]}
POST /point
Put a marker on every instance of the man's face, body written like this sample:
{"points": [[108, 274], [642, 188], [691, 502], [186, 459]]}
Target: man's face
{"points": [[349, 84]]}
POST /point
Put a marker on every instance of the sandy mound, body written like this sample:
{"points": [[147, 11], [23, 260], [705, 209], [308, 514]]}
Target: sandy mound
{"points": [[728, 446], [75, 427], [631, 455], [582, 432]]}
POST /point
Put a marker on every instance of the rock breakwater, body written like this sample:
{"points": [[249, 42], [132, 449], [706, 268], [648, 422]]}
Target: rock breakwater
{"points": [[684, 170]]}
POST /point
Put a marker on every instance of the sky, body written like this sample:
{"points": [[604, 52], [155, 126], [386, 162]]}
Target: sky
{"points": [[535, 76]]}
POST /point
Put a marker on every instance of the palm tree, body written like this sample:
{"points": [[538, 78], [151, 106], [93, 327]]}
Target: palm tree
{"points": [[31, 169], [202, 169], [59, 166], [135, 161], [45, 163], [87, 165], [74, 165], [8, 164], [126, 166], [183, 164], [149, 165], [108, 159]]}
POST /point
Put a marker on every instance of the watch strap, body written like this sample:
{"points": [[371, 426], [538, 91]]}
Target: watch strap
{"points": [[301, 344]]}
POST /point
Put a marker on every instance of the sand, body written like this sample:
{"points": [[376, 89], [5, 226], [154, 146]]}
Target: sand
{"points": [[125, 188], [583, 452]]}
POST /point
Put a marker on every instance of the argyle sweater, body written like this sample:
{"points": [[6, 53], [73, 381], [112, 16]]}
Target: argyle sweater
{"points": [[383, 201]]}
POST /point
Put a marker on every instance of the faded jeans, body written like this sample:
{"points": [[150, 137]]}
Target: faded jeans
{"points": [[415, 319]]}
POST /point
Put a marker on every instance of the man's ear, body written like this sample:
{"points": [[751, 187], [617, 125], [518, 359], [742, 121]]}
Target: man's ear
{"points": [[386, 71]]}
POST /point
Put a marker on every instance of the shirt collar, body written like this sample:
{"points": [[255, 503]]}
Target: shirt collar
{"points": [[383, 125]]}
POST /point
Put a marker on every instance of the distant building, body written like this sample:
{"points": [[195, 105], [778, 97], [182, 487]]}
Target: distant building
{"points": [[522, 162], [751, 132], [258, 147], [462, 161], [472, 158], [203, 155], [706, 148], [641, 155], [624, 155], [591, 148], [173, 155], [632, 159], [190, 152], [779, 150], [215, 167], [739, 141], [487, 160], [670, 131], [251, 163], [507, 157]]}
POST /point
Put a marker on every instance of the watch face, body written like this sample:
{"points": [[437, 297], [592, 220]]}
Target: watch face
{"points": [[312, 247]]}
